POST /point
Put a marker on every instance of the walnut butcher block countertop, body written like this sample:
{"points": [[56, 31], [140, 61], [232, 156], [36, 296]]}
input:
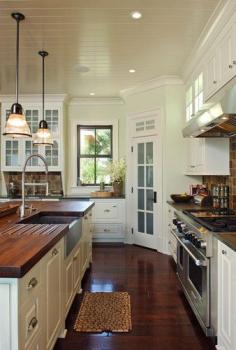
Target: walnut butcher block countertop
{"points": [[23, 245]]}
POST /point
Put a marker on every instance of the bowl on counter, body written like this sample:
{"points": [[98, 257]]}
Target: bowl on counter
{"points": [[181, 198]]}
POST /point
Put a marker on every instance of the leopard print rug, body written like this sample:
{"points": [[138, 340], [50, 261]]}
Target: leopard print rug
{"points": [[104, 312]]}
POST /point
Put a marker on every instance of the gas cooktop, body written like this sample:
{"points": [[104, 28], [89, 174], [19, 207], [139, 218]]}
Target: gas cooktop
{"points": [[214, 221]]}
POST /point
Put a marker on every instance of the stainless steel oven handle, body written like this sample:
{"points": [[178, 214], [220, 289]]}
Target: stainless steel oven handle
{"points": [[198, 262]]}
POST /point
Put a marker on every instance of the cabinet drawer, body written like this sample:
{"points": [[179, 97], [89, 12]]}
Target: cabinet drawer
{"points": [[30, 322], [107, 228], [107, 211], [30, 284]]}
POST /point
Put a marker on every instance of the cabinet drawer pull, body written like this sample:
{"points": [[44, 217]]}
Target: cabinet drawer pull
{"points": [[106, 230], [114, 206], [224, 252], [33, 323], [86, 218], [192, 166], [54, 252], [32, 283], [106, 210]]}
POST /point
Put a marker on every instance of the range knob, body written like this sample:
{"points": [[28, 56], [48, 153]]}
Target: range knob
{"points": [[176, 222]]}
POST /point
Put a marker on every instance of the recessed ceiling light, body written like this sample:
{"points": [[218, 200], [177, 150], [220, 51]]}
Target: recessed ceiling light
{"points": [[132, 70], [81, 68], [136, 14], [92, 94]]}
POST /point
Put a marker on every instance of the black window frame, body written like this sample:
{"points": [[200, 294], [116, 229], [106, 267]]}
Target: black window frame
{"points": [[79, 156]]}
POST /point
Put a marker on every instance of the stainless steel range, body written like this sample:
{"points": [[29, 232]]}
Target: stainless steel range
{"points": [[197, 267]]}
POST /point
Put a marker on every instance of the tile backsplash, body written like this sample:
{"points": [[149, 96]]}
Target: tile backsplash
{"points": [[54, 183], [227, 180]]}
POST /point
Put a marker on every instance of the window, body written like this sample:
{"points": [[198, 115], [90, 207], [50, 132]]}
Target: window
{"points": [[94, 154]]}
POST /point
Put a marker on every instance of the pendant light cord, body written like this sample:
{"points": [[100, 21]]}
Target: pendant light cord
{"points": [[43, 85], [17, 57]]}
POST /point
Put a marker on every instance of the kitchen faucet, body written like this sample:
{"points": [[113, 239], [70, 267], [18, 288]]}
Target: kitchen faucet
{"points": [[22, 207]]}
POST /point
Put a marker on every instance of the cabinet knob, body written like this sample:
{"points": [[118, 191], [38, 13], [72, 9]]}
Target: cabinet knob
{"points": [[86, 218], [230, 66], [75, 257], [107, 230], [33, 323], [234, 62], [54, 252], [90, 214], [214, 82], [224, 252], [32, 283], [107, 211], [192, 166]]}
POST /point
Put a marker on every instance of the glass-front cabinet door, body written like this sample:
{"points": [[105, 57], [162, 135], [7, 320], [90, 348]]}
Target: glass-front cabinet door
{"points": [[11, 154], [15, 151]]}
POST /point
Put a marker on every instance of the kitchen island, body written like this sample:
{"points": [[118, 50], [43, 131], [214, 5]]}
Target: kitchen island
{"points": [[38, 280]]}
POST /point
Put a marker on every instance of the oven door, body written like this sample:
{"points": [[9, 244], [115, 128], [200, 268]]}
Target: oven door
{"points": [[197, 287]]}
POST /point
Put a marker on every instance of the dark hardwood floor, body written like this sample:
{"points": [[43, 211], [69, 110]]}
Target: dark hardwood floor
{"points": [[161, 317]]}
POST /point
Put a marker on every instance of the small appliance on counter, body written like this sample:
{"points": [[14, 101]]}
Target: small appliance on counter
{"points": [[201, 195]]}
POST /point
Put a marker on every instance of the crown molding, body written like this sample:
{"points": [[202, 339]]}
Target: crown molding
{"points": [[34, 98], [88, 101], [222, 14], [165, 80]]}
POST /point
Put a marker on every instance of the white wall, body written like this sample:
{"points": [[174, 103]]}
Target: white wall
{"points": [[95, 111]]}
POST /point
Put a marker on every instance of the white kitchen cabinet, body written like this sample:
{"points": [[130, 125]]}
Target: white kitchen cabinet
{"points": [[14, 152], [227, 52], [172, 240], [207, 156], [211, 74], [78, 261], [109, 220], [53, 265], [226, 298]]}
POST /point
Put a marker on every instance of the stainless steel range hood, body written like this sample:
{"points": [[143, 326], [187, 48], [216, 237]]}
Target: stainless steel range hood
{"points": [[219, 120]]}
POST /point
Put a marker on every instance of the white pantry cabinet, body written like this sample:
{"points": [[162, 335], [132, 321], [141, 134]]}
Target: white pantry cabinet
{"points": [[15, 151], [226, 298], [207, 156], [109, 220]]}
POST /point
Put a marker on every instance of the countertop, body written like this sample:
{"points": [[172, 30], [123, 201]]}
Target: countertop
{"points": [[22, 246], [60, 197], [228, 239], [185, 206]]}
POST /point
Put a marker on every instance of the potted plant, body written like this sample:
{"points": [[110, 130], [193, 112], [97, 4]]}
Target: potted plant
{"points": [[117, 173]]}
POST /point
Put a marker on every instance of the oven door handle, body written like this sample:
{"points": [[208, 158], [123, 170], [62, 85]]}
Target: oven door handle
{"points": [[198, 262]]}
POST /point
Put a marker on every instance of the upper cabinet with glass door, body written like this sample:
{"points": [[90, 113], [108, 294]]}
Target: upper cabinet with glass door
{"points": [[15, 152], [194, 97]]}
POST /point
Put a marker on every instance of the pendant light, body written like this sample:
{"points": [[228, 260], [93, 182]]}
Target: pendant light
{"points": [[16, 124], [43, 136]]}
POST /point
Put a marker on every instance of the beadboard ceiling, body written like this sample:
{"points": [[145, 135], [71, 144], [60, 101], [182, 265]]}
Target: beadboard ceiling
{"points": [[99, 34]]}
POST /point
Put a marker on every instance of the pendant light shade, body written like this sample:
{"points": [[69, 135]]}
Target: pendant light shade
{"points": [[43, 135], [16, 124]]}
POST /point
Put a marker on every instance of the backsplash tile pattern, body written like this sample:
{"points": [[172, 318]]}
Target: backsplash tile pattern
{"points": [[54, 181], [227, 180]]}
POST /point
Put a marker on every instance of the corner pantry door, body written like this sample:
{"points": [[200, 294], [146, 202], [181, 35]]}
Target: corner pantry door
{"points": [[145, 191]]}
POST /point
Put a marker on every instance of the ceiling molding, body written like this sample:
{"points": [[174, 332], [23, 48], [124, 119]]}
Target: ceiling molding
{"points": [[152, 84], [34, 98], [220, 17], [96, 101]]}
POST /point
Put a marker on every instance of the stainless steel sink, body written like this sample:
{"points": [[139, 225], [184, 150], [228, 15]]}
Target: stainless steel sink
{"points": [[75, 227]]}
